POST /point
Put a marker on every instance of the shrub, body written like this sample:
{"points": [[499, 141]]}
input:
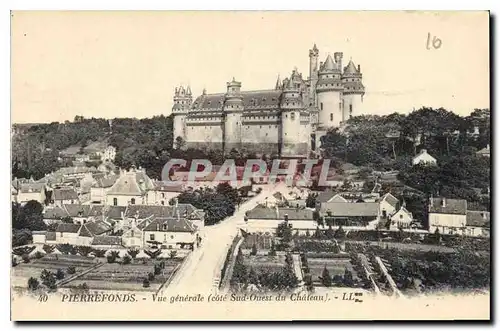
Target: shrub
{"points": [[151, 276], [157, 269], [113, 255], [173, 254], [162, 264], [59, 274], [133, 252], [48, 279], [326, 279], [84, 250], [272, 251], [14, 261], [20, 251], [145, 282], [26, 258], [153, 254], [48, 248], [99, 252], [126, 259], [33, 284], [71, 270], [38, 255]]}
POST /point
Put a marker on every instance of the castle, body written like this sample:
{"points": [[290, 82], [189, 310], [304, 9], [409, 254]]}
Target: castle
{"points": [[287, 120]]}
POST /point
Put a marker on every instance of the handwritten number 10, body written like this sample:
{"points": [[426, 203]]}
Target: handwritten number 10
{"points": [[436, 42]]}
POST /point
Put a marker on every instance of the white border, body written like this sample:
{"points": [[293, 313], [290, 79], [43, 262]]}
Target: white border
{"points": [[6, 6]]}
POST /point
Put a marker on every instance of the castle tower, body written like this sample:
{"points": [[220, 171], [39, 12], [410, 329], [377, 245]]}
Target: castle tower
{"points": [[313, 72], [353, 91], [233, 112], [182, 102], [329, 93], [291, 105]]}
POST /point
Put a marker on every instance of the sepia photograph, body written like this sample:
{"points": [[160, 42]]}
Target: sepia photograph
{"points": [[250, 165]]}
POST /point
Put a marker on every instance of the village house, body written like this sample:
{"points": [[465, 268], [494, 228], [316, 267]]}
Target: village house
{"points": [[101, 187], [162, 193], [130, 188], [449, 216], [424, 158], [66, 195], [170, 232], [401, 219], [478, 223], [266, 220], [388, 205], [350, 214], [109, 154], [31, 191]]}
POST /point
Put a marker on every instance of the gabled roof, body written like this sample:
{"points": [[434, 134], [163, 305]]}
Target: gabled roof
{"points": [[478, 218], [164, 187], [68, 227], [390, 199], [330, 196], [132, 183], [170, 224], [32, 188], [350, 209], [99, 227], [54, 213], [106, 181], [423, 152], [144, 211], [484, 151], [77, 210], [65, 194], [451, 206]]}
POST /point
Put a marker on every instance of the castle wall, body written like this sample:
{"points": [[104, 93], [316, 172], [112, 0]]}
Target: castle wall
{"points": [[330, 109], [179, 127]]}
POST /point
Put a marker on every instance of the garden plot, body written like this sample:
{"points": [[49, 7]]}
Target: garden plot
{"points": [[261, 241], [334, 266], [22, 272], [115, 276], [264, 262]]}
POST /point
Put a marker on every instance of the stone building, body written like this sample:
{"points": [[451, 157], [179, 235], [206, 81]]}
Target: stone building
{"points": [[287, 120]]}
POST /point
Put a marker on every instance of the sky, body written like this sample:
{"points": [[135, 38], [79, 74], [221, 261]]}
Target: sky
{"points": [[127, 64]]}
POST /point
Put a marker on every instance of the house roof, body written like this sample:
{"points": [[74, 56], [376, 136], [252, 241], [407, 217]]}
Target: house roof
{"points": [[32, 188], [351, 209], [164, 187], [65, 194], [68, 227], [390, 199], [170, 224], [279, 213], [423, 152], [77, 210], [484, 151], [107, 241], [144, 211], [261, 98], [452, 206], [478, 218], [132, 183], [98, 227], [54, 213], [106, 181]]}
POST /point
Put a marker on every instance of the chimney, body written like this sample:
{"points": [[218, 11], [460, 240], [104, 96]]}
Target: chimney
{"points": [[484, 216], [277, 212], [443, 202], [488, 147], [286, 217], [431, 202], [359, 68], [176, 202]]}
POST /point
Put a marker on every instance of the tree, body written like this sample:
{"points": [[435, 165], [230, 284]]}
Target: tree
{"points": [[437, 237], [48, 248], [99, 252], [330, 234], [59, 274], [145, 282], [48, 279], [348, 278], [133, 252], [318, 233], [33, 284], [126, 259], [326, 279], [340, 233], [84, 250], [173, 254], [284, 231], [311, 200], [67, 219], [272, 251], [113, 255]]}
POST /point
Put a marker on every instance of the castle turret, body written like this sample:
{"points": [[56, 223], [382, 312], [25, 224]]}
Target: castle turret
{"points": [[313, 72], [329, 94], [353, 91], [291, 107], [233, 111], [182, 102]]}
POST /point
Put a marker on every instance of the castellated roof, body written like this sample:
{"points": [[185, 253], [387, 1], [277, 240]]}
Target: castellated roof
{"points": [[265, 98]]}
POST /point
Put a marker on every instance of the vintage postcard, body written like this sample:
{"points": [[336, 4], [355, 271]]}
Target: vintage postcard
{"points": [[225, 166]]}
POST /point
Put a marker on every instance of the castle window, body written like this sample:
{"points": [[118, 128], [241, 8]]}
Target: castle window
{"points": [[292, 116], [350, 109], [321, 106], [331, 117], [340, 105], [286, 115]]}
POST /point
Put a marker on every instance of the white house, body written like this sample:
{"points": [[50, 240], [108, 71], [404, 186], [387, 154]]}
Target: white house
{"points": [[31, 191], [67, 233], [163, 193], [447, 215], [355, 215], [263, 219], [170, 232], [478, 224], [130, 189], [109, 154], [424, 158], [101, 187], [66, 195], [388, 205], [401, 219]]}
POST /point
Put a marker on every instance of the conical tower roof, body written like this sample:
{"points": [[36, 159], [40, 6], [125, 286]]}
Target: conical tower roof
{"points": [[329, 64], [351, 68], [278, 83], [188, 91]]}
